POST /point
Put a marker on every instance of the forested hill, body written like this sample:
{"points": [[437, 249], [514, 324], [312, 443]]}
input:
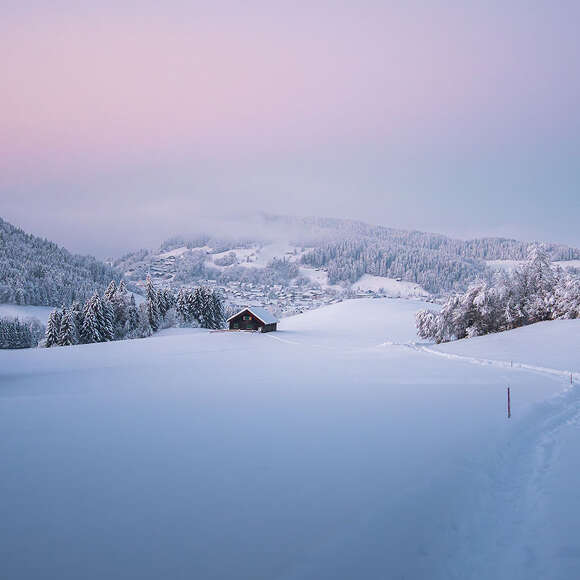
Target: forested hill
{"points": [[273, 249], [438, 263], [36, 271]]}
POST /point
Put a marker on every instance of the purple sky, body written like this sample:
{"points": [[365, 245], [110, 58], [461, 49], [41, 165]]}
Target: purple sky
{"points": [[123, 123]]}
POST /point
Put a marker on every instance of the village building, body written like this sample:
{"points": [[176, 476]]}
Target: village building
{"points": [[253, 318]]}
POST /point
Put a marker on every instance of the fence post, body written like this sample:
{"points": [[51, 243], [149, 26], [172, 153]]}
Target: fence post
{"points": [[509, 406]]}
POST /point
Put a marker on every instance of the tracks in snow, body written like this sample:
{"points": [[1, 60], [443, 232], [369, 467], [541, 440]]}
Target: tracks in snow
{"points": [[514, 493], [498, 363]]}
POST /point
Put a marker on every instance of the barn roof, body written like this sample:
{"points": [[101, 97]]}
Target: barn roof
{"points": [[260, 313]]}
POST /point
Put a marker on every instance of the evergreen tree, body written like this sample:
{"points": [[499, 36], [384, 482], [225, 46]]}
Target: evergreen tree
{"points": [[15, 333], [181, 306], [218, 310], [52, 329], [152, 304], [77, 312], [144, 327], [90, 331], [111, 290], [132, 322], [68, 332], [100, 317], [108, 310], [194, 305], [162, 303]]}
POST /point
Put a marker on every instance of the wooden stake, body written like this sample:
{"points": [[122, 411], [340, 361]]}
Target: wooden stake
{"points": [[509, 404]]}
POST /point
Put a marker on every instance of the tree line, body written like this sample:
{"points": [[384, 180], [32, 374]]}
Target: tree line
{"points": [[16, 333], [534, 292], [116, 316]]}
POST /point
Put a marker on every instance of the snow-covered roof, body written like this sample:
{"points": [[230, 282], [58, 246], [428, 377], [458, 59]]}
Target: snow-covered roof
{"points": [[259, 312]]}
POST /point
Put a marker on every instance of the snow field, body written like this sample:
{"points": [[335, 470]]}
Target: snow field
{"points": [[334, 448], [22, 312], [390, 286]]}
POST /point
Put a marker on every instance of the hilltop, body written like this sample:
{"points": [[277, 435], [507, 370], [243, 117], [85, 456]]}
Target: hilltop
{"points": [[294, 263]]}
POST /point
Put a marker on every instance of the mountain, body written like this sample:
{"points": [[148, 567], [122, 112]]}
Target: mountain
{"points": [[38, 272], [323, 254]]}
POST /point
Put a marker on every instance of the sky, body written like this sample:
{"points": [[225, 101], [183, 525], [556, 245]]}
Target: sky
{"points": [[123, 123]]}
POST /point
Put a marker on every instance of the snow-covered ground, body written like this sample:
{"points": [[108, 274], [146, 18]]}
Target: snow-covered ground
{"points": [[336, 448], [551, 345], [510, 265], [178, 252], [389, 287], [16, 311]]}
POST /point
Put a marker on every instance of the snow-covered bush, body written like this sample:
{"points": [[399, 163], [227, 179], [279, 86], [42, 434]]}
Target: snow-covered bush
{"points": [[534, 292]]}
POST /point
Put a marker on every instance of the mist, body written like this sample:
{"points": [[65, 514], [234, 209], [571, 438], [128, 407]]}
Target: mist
{"points": [[461, 120]]}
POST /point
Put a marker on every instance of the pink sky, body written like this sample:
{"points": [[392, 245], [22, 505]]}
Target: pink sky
{"points": [[98, 91]]}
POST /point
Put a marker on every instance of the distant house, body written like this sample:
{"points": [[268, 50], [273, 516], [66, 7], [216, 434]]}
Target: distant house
{"points": [[253, 318]]}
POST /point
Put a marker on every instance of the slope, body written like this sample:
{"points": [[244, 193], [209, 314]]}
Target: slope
{"points": [[335, 252], [331, 449], [34, 271]]}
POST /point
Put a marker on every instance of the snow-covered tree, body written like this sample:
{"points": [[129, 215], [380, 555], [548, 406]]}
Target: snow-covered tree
{"points": [[132, 321], [92, 325], [108, 328], [152, 303], [532, 293], [77, 312], [68, 331], [181, 306], [52, 329], [111, 290], [15, 333]]}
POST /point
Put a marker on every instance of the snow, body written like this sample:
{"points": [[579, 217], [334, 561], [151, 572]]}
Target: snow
{"points": [[350, 451], [40, 312], [260, 256], [510, 265], [264, 315], [551, 345], [317, 276], [138, 298], [175, 252], [389, 286], [242, 254], [507, 265], [568, 263], [17, 311]]}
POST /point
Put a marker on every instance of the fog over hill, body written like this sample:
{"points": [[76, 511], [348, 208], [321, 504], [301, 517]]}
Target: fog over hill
{"points": [[265, 258], [275, 249]]}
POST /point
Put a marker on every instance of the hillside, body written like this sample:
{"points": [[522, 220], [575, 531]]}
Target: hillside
{"points": [[34, 271], [325, 257], [353, 452]]}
